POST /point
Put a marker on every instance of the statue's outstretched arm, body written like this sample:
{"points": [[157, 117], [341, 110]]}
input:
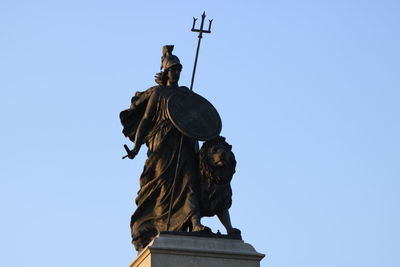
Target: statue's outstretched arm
{"points": [[145, 123]]}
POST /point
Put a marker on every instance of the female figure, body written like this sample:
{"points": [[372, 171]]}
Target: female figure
{"points": [[147, 121]]}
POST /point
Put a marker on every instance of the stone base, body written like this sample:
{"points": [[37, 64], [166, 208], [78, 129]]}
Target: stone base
{"points": [[192, 251]]}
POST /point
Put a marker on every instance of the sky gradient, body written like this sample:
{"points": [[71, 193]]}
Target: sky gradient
{"points": [[308, 92]]}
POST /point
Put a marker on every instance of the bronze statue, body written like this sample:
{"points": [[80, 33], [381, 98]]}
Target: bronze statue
{"points": [[179, 184], [147, 121]]}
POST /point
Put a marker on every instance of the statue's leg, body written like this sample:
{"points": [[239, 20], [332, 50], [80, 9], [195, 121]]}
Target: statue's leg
{"points": [[225, 219], [196, 224], [194, 189]]}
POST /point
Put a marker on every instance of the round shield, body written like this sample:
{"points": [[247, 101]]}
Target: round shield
{"points": [[194, 116]]}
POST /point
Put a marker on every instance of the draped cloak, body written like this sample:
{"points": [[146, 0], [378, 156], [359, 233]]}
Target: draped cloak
{"points": [[157, 178]]}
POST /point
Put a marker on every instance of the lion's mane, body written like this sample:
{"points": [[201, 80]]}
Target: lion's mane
{"points": [[216, 192]]}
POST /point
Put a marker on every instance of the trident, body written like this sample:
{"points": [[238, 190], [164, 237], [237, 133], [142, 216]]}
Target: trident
{"points": [[200, 31]]}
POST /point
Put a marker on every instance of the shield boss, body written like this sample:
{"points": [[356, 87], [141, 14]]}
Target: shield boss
{"points": [[194, 116]]}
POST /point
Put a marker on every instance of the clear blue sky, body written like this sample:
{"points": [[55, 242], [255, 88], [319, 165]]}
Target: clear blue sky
{"points": [[308, 92]]}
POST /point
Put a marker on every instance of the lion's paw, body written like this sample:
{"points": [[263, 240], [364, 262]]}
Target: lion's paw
{"points": [[234, 232]]}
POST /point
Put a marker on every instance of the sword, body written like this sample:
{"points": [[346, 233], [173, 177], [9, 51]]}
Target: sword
{"points": [[127, 151]]}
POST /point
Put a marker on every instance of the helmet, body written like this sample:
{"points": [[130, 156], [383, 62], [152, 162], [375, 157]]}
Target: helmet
{"points": [[169, 60]]}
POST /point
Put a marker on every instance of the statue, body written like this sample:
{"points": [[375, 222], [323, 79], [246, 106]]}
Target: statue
{"points": [[179, 184], [147, 121]]}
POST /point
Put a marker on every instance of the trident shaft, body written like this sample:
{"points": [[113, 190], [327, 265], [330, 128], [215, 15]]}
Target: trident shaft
{"points": [[200, 31]]}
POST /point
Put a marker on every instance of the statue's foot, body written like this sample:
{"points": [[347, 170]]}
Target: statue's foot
{"points": [[200, 228]]}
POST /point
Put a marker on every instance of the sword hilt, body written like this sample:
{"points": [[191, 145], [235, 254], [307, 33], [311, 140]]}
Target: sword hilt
{"points": [[127, 151]]}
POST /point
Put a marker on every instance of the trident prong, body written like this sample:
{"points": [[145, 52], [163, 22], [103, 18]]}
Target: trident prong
{"points": [[209, 25], [194, 23], [200, 31]]}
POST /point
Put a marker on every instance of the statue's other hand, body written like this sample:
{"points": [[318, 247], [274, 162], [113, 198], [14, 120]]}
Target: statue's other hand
{"points": [[132, 154]]}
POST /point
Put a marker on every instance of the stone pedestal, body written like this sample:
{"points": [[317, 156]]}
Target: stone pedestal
{"points": [[168, 250]]}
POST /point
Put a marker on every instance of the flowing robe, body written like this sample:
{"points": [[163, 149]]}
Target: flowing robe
{"points": [[157, 179]]}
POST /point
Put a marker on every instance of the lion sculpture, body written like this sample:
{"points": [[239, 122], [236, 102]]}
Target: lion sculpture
{"points": [[217, 166]]}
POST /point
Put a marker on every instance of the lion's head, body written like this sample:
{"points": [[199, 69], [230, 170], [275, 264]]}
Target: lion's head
{"points": [[217, 161]]}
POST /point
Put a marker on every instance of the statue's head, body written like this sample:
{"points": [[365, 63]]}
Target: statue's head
{"points": [[174, 73], [171, 67], [168, 60]]}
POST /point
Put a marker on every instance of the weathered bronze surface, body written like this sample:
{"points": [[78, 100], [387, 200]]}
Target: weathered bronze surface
{"points": [[179, 184]]}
